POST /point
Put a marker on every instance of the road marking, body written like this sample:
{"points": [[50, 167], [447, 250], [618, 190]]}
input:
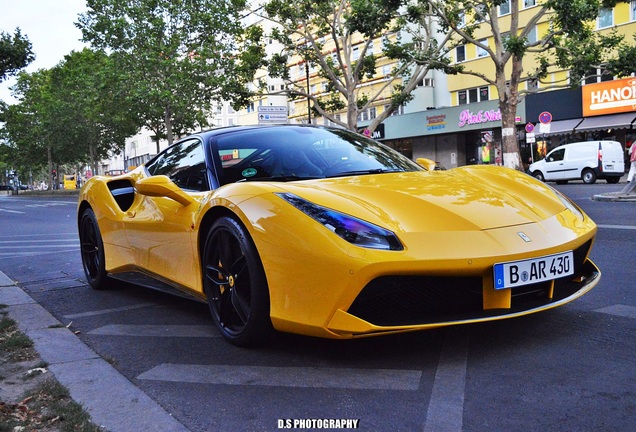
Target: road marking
{"points": [[11, 211], [150, 330], [313, 377], [446, 407], [619, 310], [625, 227], [109, 311]]}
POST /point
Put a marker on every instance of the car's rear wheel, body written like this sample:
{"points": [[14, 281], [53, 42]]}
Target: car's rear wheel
{"points": [[538, 175], [613, 180], [92, 251], [588, 176], [235, 284]]}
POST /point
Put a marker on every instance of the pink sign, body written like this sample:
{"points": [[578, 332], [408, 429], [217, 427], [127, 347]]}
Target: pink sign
{"points": [[466, 117]]}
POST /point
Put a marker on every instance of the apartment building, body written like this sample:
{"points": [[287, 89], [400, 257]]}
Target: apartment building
{"points": [[454, 120]]}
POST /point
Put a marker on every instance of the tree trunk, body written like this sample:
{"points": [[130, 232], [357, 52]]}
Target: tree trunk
{"points": [[511, 158], [168, 120], [49, 160]]}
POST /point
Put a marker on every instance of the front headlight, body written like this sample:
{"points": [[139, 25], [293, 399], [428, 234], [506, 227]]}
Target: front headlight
{"points": [[353, 230]]}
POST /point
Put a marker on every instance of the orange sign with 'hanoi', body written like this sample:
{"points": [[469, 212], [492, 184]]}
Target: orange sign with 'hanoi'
{"points": [[609, 97]]}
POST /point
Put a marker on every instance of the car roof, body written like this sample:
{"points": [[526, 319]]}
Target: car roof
{"points": [[230, 129]]}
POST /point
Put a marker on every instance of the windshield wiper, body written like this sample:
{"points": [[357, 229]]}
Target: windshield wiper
{"points": [[360, 172], [281, 178]]}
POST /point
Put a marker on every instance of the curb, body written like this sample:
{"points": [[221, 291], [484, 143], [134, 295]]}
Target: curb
{"points": [[112, 401], [614, 197]]}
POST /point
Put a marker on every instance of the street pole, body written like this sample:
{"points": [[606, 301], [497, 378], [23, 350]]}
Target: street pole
{"points": [[308, 99]]}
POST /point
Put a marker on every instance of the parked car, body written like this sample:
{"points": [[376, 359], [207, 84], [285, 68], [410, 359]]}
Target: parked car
{"points": [[324, 232], [587, 161]]}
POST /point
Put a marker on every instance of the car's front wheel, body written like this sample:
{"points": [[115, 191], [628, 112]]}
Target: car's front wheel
{"points": [[538, 175], [92, 250], [235, 284]]}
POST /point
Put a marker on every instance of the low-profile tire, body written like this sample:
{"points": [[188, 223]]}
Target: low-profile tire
{"points": [[92, 250], [588, 176], [538, 175], [235, 284]]}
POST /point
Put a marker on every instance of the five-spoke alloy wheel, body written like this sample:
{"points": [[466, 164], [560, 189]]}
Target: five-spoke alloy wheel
{"points": [[92, 250], [235, 284]]}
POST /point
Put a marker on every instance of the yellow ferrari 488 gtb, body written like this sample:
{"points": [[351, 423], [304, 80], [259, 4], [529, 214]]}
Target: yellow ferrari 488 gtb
{"points": [[323, 232]]}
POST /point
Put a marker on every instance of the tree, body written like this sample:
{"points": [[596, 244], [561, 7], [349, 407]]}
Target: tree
{"points": [[176, 58], [568, 42], [28, 142], [307, 30], [93, 116], [15, 53]]}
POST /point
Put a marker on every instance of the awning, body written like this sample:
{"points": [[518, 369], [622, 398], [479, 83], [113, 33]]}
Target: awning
{"points": [[563, 127], [614, 121]]}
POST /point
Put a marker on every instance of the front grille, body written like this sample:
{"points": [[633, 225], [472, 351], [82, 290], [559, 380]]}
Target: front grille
{"points": [[412, 300]]}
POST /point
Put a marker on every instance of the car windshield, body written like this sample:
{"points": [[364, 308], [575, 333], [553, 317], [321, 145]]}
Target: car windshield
{"points": [[289, 153]]}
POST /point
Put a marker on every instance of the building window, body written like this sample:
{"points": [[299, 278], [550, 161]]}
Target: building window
{"points": [[230, 110], [473, 95], [398, 111], [386, 70], [367, 114], [426, 82], [605, 18], [480, 51], [532, 84], [462, 98], [532, 35], [355, 53], [460, 53], [529, 3], [250, 107], [504, 8], [632, 11], [484, 94]]}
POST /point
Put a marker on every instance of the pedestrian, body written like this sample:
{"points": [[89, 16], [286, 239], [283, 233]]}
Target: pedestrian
{"points": [[632, 159]]}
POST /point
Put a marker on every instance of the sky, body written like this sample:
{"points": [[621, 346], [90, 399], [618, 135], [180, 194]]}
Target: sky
{"points": [[49, 25]]}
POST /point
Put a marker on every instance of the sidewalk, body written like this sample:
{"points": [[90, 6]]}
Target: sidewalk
{"points": [[112, 401], [627, 194]]}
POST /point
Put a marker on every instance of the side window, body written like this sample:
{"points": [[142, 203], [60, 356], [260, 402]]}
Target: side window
{"points": [[184, 163], [556, 156]]}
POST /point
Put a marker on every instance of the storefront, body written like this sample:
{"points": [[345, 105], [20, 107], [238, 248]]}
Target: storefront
{"points": [[453, 136], [601, 111]]}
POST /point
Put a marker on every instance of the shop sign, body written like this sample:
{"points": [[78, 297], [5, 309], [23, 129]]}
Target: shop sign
{"points": [[436, 122], [609, 97], [466, 117]]}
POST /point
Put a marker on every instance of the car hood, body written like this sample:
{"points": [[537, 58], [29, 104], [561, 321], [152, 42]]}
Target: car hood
{"points": [[467, 198]]}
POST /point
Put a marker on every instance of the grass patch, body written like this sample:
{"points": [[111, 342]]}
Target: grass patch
{"points": [[45, 404]]}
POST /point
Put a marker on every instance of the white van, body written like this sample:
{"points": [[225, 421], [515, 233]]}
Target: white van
{"points": [[586, 160]]}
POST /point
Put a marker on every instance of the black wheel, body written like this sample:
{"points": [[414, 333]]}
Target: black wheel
{"points": [[92, 249], [538, 175], [588, 176], [613, 180], [235, 284]]}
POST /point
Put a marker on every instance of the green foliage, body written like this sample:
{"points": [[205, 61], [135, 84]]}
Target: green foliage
{"points": [[15, 53], [304, 29], [176, 58]]}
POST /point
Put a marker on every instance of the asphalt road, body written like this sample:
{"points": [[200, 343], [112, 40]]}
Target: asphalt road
{"points": [[568, 369]]}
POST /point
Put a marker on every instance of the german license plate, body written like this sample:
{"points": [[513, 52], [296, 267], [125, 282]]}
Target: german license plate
{"points": [[524, 272]]}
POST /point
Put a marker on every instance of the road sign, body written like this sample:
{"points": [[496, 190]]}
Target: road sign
{"points": [[272, 109], [272, 114], [529, 128], [545, 117]]}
